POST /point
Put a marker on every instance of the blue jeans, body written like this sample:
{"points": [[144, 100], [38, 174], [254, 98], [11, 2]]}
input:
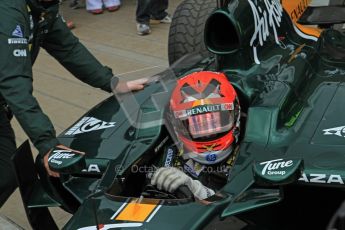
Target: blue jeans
{"points": [[147, 9]]}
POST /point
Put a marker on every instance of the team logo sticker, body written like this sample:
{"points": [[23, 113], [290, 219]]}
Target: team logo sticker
{"points": [[65, 160], [58, 156], [337, 131], [89, 124], [211, 157], [19, 53], [278, 171], [17, 32], [14, 41]]}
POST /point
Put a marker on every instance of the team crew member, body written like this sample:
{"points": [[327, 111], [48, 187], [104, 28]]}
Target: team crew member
{"points": [[25, 26], [205, 116]]}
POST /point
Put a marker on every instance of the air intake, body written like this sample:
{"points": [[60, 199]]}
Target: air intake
{"points": [[221, 34]]}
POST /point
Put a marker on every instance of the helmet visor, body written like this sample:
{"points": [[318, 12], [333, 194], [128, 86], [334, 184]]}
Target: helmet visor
{"points": [[208, 125]]}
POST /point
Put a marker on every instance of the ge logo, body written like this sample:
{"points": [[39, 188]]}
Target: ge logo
{"points": [[211, 157]]}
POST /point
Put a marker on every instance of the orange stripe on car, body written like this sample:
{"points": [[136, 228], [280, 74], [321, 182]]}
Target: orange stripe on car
{"points": [[138, 210]]}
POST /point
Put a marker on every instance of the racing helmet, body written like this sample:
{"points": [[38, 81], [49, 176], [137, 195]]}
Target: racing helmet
{"points": [[205, 116]]}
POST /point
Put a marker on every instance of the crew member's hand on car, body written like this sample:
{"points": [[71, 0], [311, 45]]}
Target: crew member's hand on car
{"points": [[169, 179], [127, 86], [46, 158]]}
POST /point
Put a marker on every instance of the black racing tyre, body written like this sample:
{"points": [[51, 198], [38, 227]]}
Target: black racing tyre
{"points": [[186, 32]]}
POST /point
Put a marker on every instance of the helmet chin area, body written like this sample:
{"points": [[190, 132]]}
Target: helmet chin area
{"points": [[210, 158], [210, 152]]}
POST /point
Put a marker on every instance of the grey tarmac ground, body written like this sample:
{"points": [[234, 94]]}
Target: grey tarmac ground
{"points": [[112, 38]]}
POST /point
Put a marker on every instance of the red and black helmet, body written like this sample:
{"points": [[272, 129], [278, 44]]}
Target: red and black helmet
{"points": [[206, 116]]}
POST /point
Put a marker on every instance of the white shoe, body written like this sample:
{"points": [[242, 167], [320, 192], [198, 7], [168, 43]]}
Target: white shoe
{"points": [[143, 29], [167, 19]]}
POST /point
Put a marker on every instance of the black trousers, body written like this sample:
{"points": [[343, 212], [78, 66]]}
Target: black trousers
{"points": [[147, 9], [8, 181]]}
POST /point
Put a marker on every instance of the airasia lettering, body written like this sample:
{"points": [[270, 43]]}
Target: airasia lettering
{"points": [[265, 20], [321, 178], [274, 165], [92, 168]]}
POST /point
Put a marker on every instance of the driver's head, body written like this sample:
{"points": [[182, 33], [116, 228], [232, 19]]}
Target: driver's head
{"points": [[206, 116]]}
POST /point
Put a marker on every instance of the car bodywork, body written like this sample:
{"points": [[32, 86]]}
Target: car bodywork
{"points": [[290, 82]]}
